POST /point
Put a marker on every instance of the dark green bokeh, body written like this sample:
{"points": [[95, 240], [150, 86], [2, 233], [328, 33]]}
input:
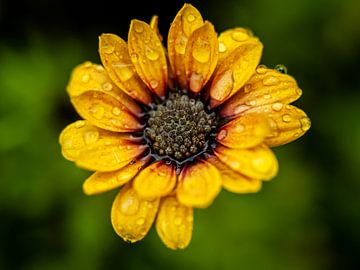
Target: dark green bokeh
{"points": [[307, 218]]}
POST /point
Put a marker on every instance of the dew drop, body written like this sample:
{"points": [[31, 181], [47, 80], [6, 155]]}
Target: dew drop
{"points": [[154, 84], [239, 35], [124, 71], [196, 81], [116, 111], [222, 134], [223, 86], [281, 68], [91, 136], [134, 57], [80, 124], [99, 68], [108, 48], [151, 54], [140, 221], [180, 44], [222, 47], [262, 164], [277, 106], [261, 69], [116, 122], [239, 128], [251, 103], [286, 118], [129, 203], [178, 221], [267, 96], [247, 88], [138, 28], [201, 51], [190, 18], [107, 86], [241, 108], [85, 78], [97, 111], [305, 123], [271, 81]]}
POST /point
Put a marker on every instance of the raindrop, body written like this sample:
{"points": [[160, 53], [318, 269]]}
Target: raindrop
{"points": [[91, 136], [267, 96], [154, 84], [140, 221], [262, 164], [134, 57], [151, 54], [222, 47], [129, 203], [124, 71], [97, 111], [85, 78], [138, 28], [251, 103], [196, 81], [281, 68], [277, 106], [305, 123], [239, 128], [286, 118], [107, 86], [180, 44], [201, 51], [261, 69], [108, 48], [222, 134], [241, 108], [99, 68], [271, 81], [116, 111], [80, 124], [190, 18], [239, 35]]}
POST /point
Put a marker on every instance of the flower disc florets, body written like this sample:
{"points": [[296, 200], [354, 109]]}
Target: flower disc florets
{"points": [[180, 127]]}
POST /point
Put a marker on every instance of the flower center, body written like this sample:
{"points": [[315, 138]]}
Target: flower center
{"points": [[179, 128]]}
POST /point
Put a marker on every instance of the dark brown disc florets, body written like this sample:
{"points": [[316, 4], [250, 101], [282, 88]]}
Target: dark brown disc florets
{"points": [[180, 127]]}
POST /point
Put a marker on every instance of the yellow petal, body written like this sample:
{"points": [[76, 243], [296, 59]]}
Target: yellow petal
{"points": [[156, 180], [234, 181], [104, 111], [266, 86], [185, 23], [258, 162], [90, 77], [230, 39], [244, 132], [104, 181], [234, 71], [201, 56], [148, 56], [198, 184], [97, 149], [174, 223], [287, 122], [132, 216], [116, 59], [154, 24]]}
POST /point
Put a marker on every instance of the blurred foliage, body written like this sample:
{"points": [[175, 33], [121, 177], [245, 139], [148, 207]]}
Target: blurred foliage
{"points": [[306, 218]]}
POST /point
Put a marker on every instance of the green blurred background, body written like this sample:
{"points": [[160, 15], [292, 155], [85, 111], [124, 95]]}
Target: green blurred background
{"points": [[308, 217]]}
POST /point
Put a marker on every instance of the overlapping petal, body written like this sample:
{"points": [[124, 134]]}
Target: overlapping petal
{"points": [[266, 86], [156, 180], [258, 162], [116, 59], [174, 223], [185, 23], [198, 184], [234, 71], [201, 56], [97, 149], [104, 181], [287, 122], [234, 181], [244, 132], [148, 56], [132, 216]]}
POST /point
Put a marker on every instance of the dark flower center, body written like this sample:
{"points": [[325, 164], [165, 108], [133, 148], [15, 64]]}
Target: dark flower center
{"points": [[179, 128]]}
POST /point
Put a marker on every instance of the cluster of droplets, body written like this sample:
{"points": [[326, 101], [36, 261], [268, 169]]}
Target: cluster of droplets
{"points": [[180, 127]]}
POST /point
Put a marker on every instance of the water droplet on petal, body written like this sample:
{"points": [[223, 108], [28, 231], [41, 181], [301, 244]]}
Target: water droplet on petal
{"points": [[251, 102], [239, 128], [91, 136], [239, 35], [223, 86], [222, 134], [190, 18], [241, 108], [138, 28], [281, 68], [99, 68], [80, 124], [140, 221], [108, 48], [129, 203], [201, 51], [85, 78], [262, 164], [151, 54], [180, 44], [116, 111], [107, 86], [178, 221], [154, 84], [97, 111], [124, 71], [286, 118], [271, 80], [196, 81], [267, 96], [277, 106], [134, 57], [261, 69], [222, 47], [305, 123]]}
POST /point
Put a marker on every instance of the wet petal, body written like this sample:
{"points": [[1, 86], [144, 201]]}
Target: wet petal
{"points": [[230, 39], [266, 86], [156, 180], [148, 56], [154, 24], [258, 162], [132, 216], [104, 181], [91, 77], [234, 181], [287, 123], [116, 59], [244, 132], [198, 184], [104, 111], [185, 23], [234, 71], [201, 56], [97, 149], [174, 223]]}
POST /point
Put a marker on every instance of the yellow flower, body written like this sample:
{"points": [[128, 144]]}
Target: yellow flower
{"points": [[174, 126]]}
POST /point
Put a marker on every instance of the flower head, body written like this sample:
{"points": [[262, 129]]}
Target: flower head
{"points": [[172, 126]]}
